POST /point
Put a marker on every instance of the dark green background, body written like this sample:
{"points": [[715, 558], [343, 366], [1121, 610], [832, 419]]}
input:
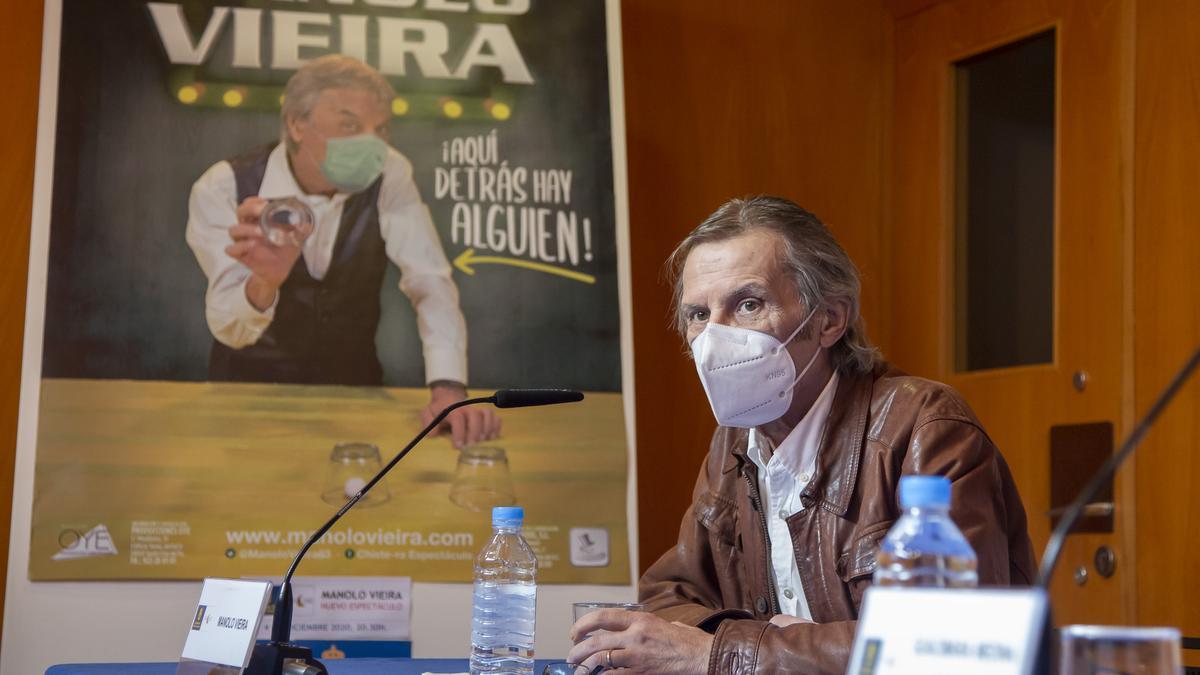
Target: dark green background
{"points": [[125, 295]]}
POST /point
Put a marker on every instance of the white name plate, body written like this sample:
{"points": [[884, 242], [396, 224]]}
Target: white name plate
{"points": [[933, 631], [226, 622]]}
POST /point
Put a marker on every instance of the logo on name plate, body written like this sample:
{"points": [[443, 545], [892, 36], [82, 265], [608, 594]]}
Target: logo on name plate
{"points": [[199, 620], [91, 544], [870, 662]]}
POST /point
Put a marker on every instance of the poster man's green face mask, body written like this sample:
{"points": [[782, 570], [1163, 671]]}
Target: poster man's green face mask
{"points": [[352, 163]]}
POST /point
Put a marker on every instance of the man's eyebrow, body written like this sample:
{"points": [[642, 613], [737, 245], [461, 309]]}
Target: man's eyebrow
{"points": [[750, 290], [687, 308], [347, 113]]}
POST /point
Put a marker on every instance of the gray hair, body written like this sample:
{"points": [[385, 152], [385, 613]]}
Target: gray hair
{"points": [[332, 71], [818, 264]]}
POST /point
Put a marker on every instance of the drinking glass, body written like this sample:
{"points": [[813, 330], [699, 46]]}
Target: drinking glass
{"points": [[564, 668], [1118, 650], [482, 479], [582, 609], [351, 466]]}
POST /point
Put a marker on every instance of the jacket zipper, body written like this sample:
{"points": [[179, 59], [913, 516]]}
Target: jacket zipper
{"points": [[756, 499]]}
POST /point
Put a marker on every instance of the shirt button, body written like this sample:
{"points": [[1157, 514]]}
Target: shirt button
{"points": [[783, 514], [761, 605], [787, 593], [804, 478]]}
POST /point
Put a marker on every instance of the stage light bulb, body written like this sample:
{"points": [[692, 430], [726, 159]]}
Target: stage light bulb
{"points": [[188, 94], [501, 111], [452, 109], [399, 106], [233, 98]]}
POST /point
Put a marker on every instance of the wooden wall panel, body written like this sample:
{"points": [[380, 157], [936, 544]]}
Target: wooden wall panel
{"points": [[1167, 310], [728, 99], [20, 51]]}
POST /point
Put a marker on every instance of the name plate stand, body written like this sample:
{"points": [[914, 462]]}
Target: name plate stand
{"points": [[224, 626], [935, 631]]}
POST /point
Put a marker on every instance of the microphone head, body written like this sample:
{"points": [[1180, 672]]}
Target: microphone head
{"points": [[520, 398]]}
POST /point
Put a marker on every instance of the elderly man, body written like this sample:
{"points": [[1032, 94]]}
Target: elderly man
{"points": [[308, 314], [800, 482]]}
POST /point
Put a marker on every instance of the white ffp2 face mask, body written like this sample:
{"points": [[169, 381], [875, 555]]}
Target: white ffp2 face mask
{"points": [[749, 376]]}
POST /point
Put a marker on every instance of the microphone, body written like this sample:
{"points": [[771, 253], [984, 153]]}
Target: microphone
{"points": [[1075, 510], [280, 656], [520, 398]]}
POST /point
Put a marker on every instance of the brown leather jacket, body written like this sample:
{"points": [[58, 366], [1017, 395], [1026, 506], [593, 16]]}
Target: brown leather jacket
{"points": [[881, 426]]}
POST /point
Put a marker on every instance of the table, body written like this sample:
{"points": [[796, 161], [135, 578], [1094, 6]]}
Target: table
{"points": [[223, 479], [336, 667]]}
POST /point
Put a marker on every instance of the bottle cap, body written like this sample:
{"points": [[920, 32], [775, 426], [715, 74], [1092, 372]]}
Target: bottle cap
{"points": [[923, 491], [507, 514]]}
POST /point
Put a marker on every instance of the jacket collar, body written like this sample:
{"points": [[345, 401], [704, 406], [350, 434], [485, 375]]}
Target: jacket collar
{"points": [[841, 445]]}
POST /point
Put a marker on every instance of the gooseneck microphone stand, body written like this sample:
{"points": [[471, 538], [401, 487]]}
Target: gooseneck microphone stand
{"points": [[280, 656]]}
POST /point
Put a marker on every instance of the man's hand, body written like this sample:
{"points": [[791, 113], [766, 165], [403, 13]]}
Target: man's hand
{"points": [[467, 425], [639, 641], [269, 264]]}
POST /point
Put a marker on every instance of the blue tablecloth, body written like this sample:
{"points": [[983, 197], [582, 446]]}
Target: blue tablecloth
{"points": [[336, 667]]}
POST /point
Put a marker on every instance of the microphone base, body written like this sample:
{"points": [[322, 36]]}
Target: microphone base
{"points": [[283, 658]]}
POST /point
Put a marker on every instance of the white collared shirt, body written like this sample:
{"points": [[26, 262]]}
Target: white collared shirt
{"points": [[410, 240], [781, 479]]}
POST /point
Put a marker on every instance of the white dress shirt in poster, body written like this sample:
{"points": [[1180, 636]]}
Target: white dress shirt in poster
{"points": [[410, 238]]}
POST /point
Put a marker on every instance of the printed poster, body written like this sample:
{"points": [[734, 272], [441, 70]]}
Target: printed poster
{"points": [[218, 375]]}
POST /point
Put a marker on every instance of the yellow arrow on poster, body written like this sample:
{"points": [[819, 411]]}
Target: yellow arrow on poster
{"points": [[467, 258]]}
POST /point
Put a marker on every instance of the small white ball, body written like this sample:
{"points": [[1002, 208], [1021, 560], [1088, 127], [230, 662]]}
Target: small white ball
{"points": [[353, 485]]}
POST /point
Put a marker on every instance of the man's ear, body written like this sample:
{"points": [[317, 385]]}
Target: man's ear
{"points": [[837, 320], [295, 128]]}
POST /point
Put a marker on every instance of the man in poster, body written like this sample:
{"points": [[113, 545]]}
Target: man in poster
{"points": [[308, 313]]}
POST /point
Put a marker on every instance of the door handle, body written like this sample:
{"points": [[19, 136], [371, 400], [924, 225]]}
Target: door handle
{"points": [[1092, 510]]}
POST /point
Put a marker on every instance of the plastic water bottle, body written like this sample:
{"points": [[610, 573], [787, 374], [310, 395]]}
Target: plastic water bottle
{"points": [[925, 547], [505, 599]]}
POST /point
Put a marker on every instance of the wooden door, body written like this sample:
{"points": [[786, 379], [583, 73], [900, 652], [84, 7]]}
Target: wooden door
{"points": [[1091, 255], [1167, 300]]}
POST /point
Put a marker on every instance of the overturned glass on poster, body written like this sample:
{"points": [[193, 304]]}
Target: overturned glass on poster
{"points": [[287, 221], [1087, 650], [351, 466], [482, 479]]}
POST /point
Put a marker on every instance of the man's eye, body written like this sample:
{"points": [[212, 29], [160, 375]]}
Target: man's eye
{"points": [[748, 306], [698, 315]]}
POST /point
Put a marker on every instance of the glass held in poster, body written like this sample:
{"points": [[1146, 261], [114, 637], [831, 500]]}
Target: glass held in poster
{"points": [[287, 221]]}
